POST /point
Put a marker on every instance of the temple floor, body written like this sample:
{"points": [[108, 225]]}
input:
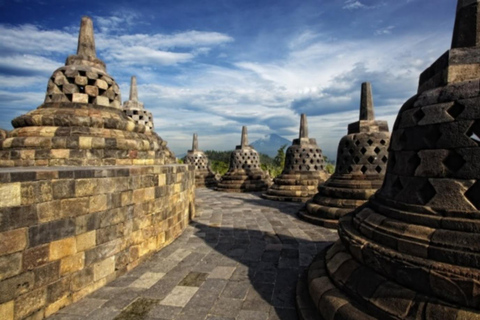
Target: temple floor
{"points": [[240, 258]]}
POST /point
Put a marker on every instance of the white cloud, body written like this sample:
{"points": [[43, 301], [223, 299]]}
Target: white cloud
{"points": [[384, 31], [353, 4]]}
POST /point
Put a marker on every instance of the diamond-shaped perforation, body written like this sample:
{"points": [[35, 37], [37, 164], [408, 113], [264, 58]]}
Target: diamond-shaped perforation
{"points": [[426, 192], [371, 159], [351, 151], [473, 195], [363, 150], [349, 169], [370, 142], [432, 135], [377, 150], [455, 110], [357, 143], [364, 169], [454, 161], [378, 169], [418, 115], [384, 159], [414, 162], [383, 142], [356, 159], [474, 132]]}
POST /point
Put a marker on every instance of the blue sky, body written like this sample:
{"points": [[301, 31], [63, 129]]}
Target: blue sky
{"points": [[212, 66]]}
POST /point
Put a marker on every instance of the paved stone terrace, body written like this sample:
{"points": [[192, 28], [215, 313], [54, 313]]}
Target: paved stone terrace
{"points": [[239, 259]]}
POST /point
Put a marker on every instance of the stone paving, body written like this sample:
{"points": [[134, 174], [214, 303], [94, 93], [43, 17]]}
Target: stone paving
{"points": [[239, 259]]}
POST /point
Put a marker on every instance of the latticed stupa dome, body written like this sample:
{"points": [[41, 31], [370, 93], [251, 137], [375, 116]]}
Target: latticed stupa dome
{"points": [[204, 177], [412, 251], [245, 172], [135, 109], [361, 164], [81, 121], [303, 170]]}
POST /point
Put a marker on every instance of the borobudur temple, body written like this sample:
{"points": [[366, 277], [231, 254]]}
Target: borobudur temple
{"points": [[412, 251], [360, 169], [303, 171]]}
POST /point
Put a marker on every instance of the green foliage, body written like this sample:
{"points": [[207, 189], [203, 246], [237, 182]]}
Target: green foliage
{"points": [[219, 167], [330, 168], [180, 161], [274, 166], [223, 156]]}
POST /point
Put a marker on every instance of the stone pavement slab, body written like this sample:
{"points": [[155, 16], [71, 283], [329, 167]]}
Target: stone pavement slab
{"points": [[240, 258]]}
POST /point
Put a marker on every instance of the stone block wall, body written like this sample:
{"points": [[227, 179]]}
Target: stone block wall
{"points": [[65, 232]]}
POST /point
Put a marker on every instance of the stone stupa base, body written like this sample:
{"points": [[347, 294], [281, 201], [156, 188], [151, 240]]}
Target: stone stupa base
{"points": [[338, 197], [205, 179], [297, 187], [243, 182]]}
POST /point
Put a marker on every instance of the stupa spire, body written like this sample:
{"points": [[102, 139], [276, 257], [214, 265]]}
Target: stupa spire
{"points": [[244, 141], [195, 142], [366, 102], [133, 89], [86, 39], [466, 32], [303, 126]]}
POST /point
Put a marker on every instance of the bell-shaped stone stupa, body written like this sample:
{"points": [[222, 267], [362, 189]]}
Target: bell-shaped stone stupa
{"points": [[244, 173], [135, 110], [303, 171], [413, 250], [361, 164], [81, 121], [204, 177]]}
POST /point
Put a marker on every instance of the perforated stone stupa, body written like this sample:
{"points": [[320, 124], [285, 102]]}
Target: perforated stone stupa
{"points": [[361, 164], [303, 170], [244, 173], [412, 251], [204, 177], [135, 109], [81, 121]]}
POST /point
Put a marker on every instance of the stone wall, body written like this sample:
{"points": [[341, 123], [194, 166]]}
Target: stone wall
{"points": [[65, 232]]}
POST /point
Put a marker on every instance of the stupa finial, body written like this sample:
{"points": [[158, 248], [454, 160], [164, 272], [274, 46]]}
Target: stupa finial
{"points": [[467, 24], [133, 89], [244, 141], [366, 102], [303, 126], [195, 142], [86, 39]]}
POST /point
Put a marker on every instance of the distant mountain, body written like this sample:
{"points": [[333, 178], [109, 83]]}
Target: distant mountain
{"points": [[270, 144]]}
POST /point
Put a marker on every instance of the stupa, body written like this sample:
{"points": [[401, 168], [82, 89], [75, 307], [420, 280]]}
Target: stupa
{"points": [[412, 251], [361, 164], [303, 170], [135, 109], [81, 121], [204, 177], [244, 173]]}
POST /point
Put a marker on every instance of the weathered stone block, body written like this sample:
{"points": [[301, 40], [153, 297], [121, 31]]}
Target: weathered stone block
{"points": [[7, 310], [81, 81], [91, 91], [57, 305], [62, 248], [48, 211], [102, 101], [98, 203], [80, 98], [72, 263], [13, 241], [10, 195], [104, 268], [10, 265], [86, 240], [85, 187], [63, 189], [82, 278], [46, 274], [15, 286], [28, 303], [35, 257], [101, 84], [74, 207]]}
